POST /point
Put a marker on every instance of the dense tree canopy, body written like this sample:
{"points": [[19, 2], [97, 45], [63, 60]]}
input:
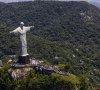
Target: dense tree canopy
{"points": [[36, 81], [65, 32]]}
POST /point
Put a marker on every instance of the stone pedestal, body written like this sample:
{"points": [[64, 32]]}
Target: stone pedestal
{"points": [[23, 59]]}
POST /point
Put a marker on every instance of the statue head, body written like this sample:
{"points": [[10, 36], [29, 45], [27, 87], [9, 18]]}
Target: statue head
{"points": [[22, 23]]}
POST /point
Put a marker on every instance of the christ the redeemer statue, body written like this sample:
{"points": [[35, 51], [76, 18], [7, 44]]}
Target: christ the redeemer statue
{"points": [[21, 31]]}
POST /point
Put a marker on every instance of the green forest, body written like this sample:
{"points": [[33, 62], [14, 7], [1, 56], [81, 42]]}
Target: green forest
{"points": [[37, 81], [64, 33]]}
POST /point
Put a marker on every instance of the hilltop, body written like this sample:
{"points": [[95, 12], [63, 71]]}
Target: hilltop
{"points": [[38, 81], [69, 31]]}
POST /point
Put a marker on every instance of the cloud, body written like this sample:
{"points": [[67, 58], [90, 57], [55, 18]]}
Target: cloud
{"points": [[98, 1], [95, 1]]}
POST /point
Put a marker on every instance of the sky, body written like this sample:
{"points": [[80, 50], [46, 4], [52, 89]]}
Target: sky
{"points": [[95, 1]]}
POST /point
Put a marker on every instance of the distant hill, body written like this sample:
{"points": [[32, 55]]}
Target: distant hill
{"points": [[67, 30]]}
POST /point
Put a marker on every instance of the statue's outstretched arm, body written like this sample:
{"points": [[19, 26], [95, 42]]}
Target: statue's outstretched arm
{"points": [[29, 28], [11, 32], [14, 31]]}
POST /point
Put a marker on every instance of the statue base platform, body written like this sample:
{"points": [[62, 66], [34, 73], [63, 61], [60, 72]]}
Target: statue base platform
{"points": [[23, 59]]}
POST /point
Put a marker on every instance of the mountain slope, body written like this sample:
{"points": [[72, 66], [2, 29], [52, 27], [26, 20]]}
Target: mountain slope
{"points": [[67, 30], [74, 22]]}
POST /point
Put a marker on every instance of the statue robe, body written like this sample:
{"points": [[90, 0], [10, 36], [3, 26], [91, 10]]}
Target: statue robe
{"points": [[22, 39]]}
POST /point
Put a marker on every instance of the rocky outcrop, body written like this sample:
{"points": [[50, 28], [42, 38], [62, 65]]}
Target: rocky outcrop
{"points": [[17, 74], [0, 67]]}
